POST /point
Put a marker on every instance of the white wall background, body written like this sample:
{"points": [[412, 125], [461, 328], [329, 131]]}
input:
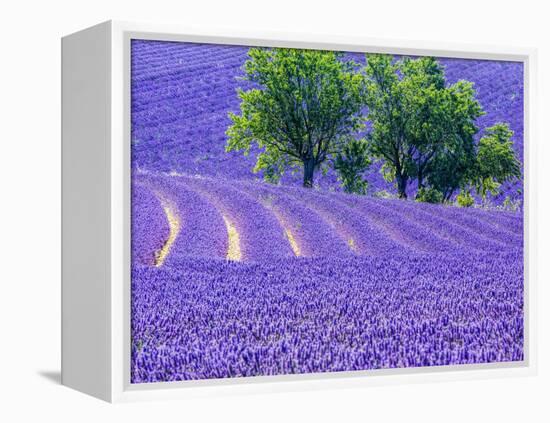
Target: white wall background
{"points": [[30, 207]]}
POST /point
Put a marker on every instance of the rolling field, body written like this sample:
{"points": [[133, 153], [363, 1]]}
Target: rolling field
{"points": [[232, 276], [250, 279], [182, 93]]}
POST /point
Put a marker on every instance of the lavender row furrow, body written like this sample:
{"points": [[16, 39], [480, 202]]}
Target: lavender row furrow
{"points": [[369, 237], [261, 236], [323, 224], [315, 235], [202, 230], [149, 227], [403, 234], [509, 222], [468, 233]]}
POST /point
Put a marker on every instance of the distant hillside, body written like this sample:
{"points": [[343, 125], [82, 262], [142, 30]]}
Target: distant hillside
{"points": [[181, 94]]}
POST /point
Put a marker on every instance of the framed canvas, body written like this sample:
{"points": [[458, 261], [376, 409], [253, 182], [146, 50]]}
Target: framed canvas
{"points": [[264, 212]]}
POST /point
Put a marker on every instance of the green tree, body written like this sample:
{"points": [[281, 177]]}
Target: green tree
{"points": [[351, 163], [424, 108], [385, 98], [303, 110], [455, 155], [421, 128], [496, 161], [442, 135]]}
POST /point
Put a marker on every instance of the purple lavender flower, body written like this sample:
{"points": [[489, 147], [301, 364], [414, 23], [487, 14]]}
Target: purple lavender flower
{"points": [[234, 277]]}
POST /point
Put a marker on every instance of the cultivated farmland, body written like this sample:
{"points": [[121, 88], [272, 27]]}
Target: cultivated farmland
{"points": [[182, 93], [232, 276]]}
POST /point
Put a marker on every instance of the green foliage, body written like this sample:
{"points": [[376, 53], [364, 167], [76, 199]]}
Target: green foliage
{"points": [[510, 205], [351, 163], [496, 161], [420, 128], [307, 105], [384, 97], [465, 199], [305, 111], [429, 195], [454, 153]]}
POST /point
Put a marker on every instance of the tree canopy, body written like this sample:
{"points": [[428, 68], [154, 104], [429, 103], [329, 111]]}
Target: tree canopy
{"points": [[496, 161], [418, 122], [305, 107]]}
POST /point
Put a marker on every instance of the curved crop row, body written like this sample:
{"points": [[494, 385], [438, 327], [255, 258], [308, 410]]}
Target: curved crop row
{"points": [[465, 230], [249, 221], [403, 228], [364, 233], [202, 229], [503, 221], [313, 233], [149, 226], [505, 225], [260, 233]]}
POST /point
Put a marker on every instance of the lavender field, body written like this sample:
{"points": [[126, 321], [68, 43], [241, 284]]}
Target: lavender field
{"points": [[233, 276], [182, 93]]}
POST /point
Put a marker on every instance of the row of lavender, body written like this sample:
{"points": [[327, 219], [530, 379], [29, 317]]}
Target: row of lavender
{"points": [[274, 222], [378, 283], [182, 93], [234, 277], [202, 319]]}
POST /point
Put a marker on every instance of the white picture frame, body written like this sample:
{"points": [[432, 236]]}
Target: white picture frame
{"points": [[96, 213]]}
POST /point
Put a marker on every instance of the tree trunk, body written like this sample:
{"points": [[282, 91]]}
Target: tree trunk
{"points": [[401, 187], [309, 168], [420, 178], [449, 193]]}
